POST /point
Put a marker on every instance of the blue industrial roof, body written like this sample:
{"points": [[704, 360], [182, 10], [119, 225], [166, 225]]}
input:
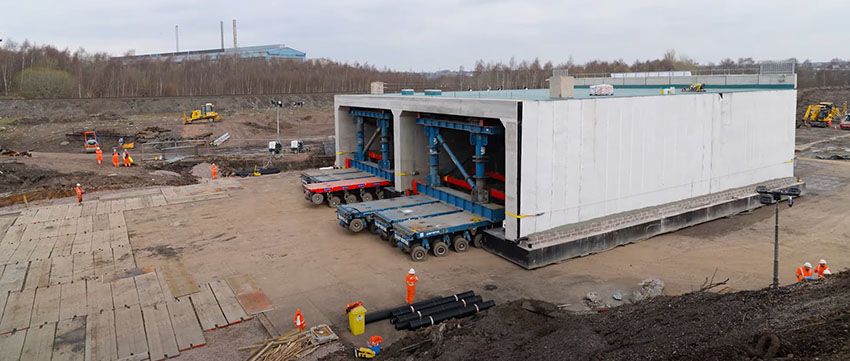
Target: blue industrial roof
{"points": [[582, 92], [262, 51]]}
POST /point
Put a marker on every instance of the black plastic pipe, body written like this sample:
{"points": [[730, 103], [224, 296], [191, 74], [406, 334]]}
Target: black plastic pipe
{"points": [[403, 321], [455, 313], [385, 314], [414, 307]]}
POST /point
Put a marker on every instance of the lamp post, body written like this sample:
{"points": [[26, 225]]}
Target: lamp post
{"points": [[773, 197], [278, 104]]}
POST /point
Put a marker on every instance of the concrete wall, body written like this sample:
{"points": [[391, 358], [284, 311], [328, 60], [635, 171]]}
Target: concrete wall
{"points": [[588, 158]]}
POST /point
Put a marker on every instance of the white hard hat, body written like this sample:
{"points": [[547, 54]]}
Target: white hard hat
{"points": [[827, 272], [98, 147], [823, 261], [78, 184], [411, 271], [807, 265]]}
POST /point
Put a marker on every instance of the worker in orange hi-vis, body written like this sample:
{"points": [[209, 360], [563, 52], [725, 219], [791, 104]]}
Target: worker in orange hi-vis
{"points": [[79, 192], [411, 280], [115, 158], [127, 158], [822, 269], [99, 155], [214, 171], [804, 272], [299, 321]]}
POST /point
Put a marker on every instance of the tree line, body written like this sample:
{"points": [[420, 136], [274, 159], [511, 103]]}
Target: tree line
{"points": [[43, 71]]}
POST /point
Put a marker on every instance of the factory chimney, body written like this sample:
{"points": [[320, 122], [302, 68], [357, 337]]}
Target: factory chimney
{"points": [[234, 34], [176, 39], [222, 34]]}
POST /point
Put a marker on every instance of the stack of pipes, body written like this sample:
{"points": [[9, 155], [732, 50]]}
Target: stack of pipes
{"points": [[432, 311]]}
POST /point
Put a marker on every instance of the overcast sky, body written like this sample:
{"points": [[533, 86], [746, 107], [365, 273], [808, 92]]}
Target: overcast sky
{"points": [[443, 34]]}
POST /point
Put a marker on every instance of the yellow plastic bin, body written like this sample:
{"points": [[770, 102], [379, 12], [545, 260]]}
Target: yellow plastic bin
{"points": [[357, 320]]}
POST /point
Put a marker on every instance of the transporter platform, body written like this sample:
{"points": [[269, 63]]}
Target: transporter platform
{"points": [[359, 216], [601, 234]]}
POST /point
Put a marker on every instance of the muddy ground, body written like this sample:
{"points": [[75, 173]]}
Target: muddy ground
{"points": [[809, 321]]}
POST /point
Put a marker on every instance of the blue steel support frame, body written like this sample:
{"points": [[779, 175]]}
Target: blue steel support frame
{"points": [[433, 177], [494, 215], [455, 161], [373, 168], [479, 141], [358, 155], [384, 124]]}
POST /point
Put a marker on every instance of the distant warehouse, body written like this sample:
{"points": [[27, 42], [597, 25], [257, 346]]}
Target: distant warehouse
{"points": [[277, 51]]}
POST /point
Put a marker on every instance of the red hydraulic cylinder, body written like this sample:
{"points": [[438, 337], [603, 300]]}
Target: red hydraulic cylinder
{"points": [[495, 193]]}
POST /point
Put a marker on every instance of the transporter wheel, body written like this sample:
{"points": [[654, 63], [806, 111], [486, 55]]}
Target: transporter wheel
{"points": [[440, 248], [380, 194], [367, 197], [317, 198], [334, 201], [373, 227], [460, 244], [418, 253], [384, 236], [478, 240], [356, 225], [350, 198]]}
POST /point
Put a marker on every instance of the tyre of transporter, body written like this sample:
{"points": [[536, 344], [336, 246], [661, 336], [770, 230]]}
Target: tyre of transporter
{"points": [[460, 244], [418, 253], [334, 201], [317, 198], [440, 248], [367, 197], [356, 225], [478, 240], [373, 227], [380, 194], [385, 236], [350, 198]]}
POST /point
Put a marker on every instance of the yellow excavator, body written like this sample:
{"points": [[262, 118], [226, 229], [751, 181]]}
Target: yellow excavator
{"points": [[203, 115], [822, 114]]}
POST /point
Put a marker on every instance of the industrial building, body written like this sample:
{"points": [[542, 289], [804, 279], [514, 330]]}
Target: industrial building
{"points": [[576, 173], [276, 51]]}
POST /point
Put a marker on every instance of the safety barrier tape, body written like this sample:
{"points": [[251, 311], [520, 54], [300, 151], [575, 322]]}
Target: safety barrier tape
{"points": [[523, 215]]}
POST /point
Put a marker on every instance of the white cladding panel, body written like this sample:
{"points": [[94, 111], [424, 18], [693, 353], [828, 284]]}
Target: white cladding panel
{"points": [[589, 158]]}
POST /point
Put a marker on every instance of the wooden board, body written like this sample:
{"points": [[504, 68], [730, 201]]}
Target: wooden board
{"points": [[123, 257], [100, 240], [146, 202], [132, 204], [63, 247], [158, 200], [22, 253], [82, 243], [99, 296], [26, 217], [150, 293], [100, 222], [104, 264], [74, 211], [41, 215], [12, 280], [11, 345], [44, 248], [230, 307], [116, 220], [180, 282], [38, 274], [100, 336], [116, 206], [89, 208], [160, 335], [84, 224], [124, 292], [32, 231], [46, 306], [16, 315], [6, 251], [103, 208], [70, 341], [209, 313], [72, 300], [38, 345], [59, 212], [68, 226], [187, 330], [13, 234], [118, 237], [61, 270], [130, 331], [83, 266], [51, 228]]}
